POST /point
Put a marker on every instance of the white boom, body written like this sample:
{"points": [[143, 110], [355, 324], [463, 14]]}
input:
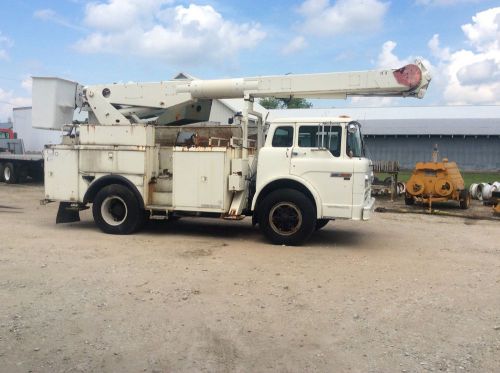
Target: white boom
{"points": [[107, 102]]}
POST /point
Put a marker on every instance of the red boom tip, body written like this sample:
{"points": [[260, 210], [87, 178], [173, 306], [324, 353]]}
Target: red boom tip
{"points": [[409, 75]]}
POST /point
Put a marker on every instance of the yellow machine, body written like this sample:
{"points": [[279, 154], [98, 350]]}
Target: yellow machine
{"points": [[496, 202], [437, 182]]}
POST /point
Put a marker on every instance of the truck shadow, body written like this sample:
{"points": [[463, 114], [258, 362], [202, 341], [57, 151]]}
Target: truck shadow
{"points": [[243, 230], [330, 237], [203, 227]]}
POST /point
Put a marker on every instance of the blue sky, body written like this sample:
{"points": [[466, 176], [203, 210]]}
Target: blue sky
{"points": [[148, 40]]}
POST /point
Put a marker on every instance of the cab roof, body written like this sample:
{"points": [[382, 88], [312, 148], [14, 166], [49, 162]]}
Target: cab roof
{"points": [[341, 119]]}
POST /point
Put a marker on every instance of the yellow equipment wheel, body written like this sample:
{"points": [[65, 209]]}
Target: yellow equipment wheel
{"points": [[443, 187], [415, 186]]}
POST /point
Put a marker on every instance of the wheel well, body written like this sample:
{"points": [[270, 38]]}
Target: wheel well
{"points": [[104, 181], [283, 184]]}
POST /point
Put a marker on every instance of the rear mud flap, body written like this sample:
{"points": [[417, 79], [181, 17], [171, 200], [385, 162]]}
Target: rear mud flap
{"points": [[67, 213]]}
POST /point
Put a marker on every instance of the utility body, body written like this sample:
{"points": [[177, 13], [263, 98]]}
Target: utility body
{"points": [[147, 151]]}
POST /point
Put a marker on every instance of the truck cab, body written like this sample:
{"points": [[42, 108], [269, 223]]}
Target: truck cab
{"points": [[323, 159]]}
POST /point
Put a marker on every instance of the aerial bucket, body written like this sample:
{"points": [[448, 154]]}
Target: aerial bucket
{"points": [[53, 102]]}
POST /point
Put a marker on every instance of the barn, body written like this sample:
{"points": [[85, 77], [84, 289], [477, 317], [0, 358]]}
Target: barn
{"points": [[468, 135]]}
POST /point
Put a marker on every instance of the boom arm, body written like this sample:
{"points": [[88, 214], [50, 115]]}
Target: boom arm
{"points": [[127, 103], [409, 81]]}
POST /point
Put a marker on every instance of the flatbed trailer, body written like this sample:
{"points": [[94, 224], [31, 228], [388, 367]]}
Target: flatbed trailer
{"points": [[16, 167]]}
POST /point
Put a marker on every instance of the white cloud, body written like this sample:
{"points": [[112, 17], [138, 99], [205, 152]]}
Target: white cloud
{"points": [[443, 2], [5, 44], [472, 76], [484, 33], [184, 35], [9, 100], [116, 15], [27, 84], [343, 17], [51, 16], [436, 50], [295, 45], [387, 58]]}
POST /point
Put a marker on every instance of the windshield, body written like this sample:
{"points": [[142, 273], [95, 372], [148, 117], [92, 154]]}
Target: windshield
{"points": [[354, 140]]}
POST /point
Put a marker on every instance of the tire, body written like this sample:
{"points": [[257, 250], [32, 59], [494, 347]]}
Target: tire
{"points": [[320, 223], [464, 199], [116, 210], [409, 200], [287, 217], [1, 172], [10, 174]]}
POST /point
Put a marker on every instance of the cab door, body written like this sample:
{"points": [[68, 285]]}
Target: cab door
{"points": [[319, 157], [274, 158]]}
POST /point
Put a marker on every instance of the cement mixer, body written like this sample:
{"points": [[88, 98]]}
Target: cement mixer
{"points": [[437, 182]]}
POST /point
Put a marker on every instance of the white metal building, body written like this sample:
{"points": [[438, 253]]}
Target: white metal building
{"points": [[469, 135]]}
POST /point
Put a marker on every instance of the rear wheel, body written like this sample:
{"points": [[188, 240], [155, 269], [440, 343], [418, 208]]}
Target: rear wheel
{"points": [[1, 172], [116, 210], [320, 223], [9, 173], [464, 199], [287, 217]]}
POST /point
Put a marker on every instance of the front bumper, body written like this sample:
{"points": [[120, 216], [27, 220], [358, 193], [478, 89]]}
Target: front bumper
{"points": [[368, 208]]}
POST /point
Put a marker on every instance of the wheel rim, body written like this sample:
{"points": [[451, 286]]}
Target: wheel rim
{"points": [[285, 218], [6, 173], [114, 210]]}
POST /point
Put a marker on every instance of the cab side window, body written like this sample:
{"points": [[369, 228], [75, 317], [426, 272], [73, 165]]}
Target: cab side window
{"points": [[283, 137], [326, 137]]}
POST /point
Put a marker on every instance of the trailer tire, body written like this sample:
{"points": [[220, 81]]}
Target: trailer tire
{"points": [[116, 210], [465, 198], [287, 217], [409, 200], [1, 172], [321, 223], [10, 174]]}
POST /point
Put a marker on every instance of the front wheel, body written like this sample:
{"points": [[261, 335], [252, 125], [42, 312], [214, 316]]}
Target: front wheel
{"points": [[116, 210], [287, 217]]}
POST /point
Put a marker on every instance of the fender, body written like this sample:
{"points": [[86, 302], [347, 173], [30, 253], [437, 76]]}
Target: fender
{"points": [[108, 180], [298, 180]]}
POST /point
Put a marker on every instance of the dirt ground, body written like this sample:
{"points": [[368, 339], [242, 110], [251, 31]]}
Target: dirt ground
{"points": [[400, 293]]}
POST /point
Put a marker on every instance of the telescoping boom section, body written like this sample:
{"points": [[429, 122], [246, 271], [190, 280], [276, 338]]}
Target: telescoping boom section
{"points": [[136, 158]]}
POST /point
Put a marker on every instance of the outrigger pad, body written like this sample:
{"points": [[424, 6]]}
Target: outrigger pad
{"points": [[67, 214]]}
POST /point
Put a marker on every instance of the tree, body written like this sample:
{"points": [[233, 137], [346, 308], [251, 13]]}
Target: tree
{"points": [[282, 103]]}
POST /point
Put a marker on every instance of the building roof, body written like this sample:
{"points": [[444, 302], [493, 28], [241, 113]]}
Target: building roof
{"points": [[415, 120], [343, 119]]}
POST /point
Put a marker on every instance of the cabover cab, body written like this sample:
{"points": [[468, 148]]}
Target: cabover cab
{"points": [[324, 160]]}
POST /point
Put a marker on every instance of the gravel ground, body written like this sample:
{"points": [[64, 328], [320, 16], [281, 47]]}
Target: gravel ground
{"points": [[400, 293]]}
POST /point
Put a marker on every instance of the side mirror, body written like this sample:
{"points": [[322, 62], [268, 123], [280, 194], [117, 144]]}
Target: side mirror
{"points": [[352, 128]]}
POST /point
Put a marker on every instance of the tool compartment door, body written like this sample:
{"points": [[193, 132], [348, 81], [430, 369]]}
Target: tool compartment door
{"points": [[200, 180], [61, 173]]}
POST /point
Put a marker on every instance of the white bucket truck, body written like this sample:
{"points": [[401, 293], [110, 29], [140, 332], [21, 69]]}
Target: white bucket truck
{"points": [[140, 156]]}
